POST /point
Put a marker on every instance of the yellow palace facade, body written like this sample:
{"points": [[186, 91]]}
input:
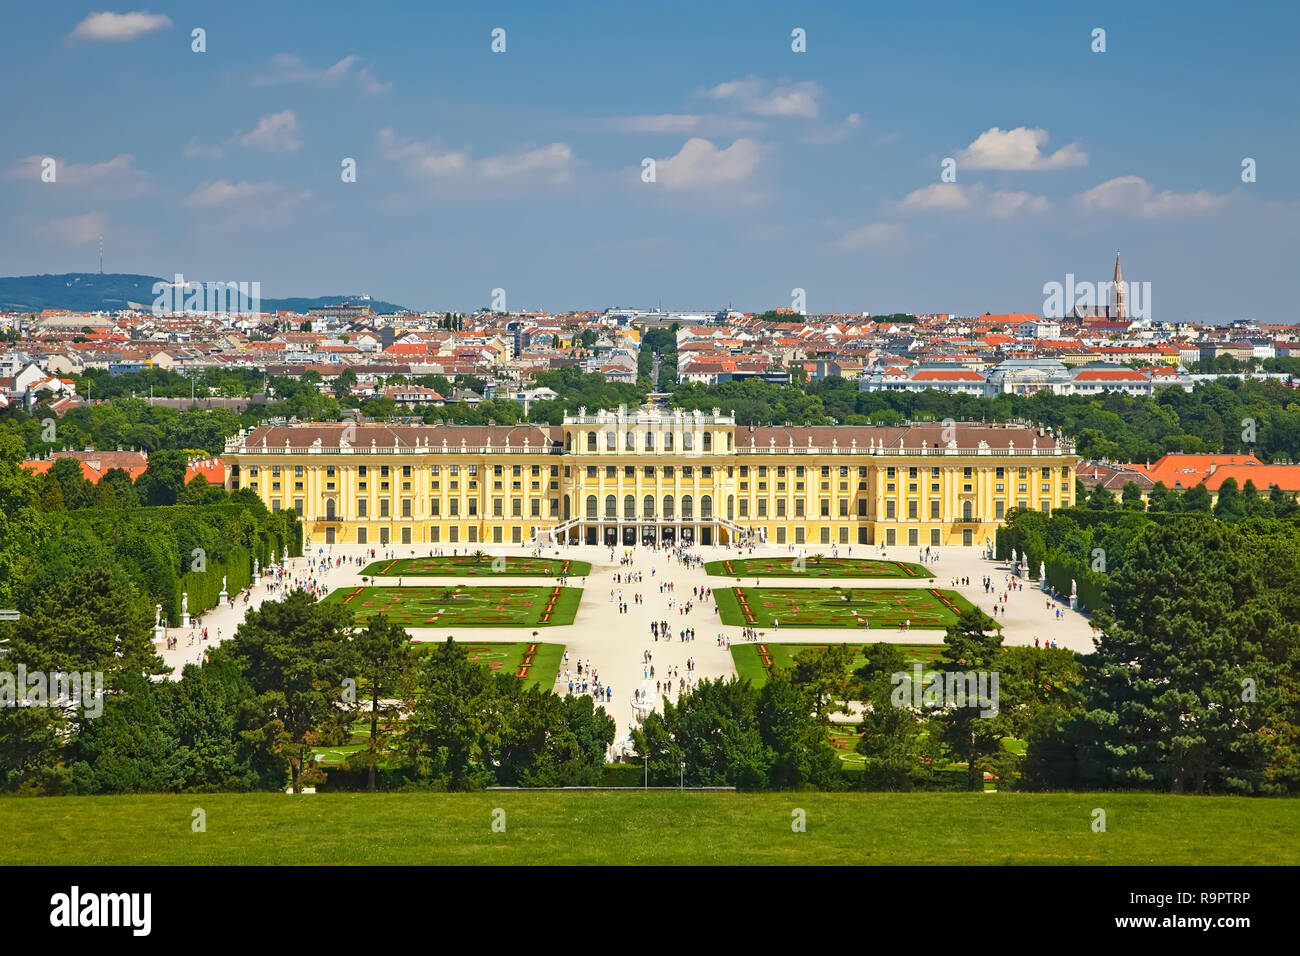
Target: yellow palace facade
{"points": [[652, 474]]}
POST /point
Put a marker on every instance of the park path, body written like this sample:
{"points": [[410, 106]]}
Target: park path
{"points": [[615, 643]]}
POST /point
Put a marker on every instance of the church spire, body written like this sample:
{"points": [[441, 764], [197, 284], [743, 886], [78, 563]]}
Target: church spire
{"points": [[1120, 297]]}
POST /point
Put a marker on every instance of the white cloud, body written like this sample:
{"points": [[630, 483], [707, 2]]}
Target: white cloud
{"points": [[275, 132], [221, 192], [783, 99], [1003, 205], [119, 26], [553, 160], [873, 236], [291, 68], [551, 164], [975, 198], [116, 178], [236, 206], [196, 150], [1135, 196], [836, 133], [1018, 149], [942, 197], [74, 230], [700, 164], [663, 123]]}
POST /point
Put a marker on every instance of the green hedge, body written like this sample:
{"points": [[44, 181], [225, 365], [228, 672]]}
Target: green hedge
{"points": [[156, 547]]}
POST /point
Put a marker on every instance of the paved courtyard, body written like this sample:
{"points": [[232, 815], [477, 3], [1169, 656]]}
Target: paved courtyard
{"points": [[615, 643]]}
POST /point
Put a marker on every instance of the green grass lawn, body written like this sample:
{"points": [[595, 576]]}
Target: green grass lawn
{"points": [[664, 827], [810, 567], [467, 565], [757, 659], [926, 608], [461, 605], [534, 663]]}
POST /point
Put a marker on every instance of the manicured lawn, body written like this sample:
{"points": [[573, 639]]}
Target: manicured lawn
{"points": [[928, 608], [461, 605], [810, 567], [756, 660], [467, 565], [531, 662], [658, 827]]}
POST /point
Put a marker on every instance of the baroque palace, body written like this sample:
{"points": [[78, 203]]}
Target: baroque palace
{"points": [[653, 474]]}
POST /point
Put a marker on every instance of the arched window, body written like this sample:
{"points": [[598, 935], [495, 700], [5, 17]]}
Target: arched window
{"points": [[728, 441], [965, 511], [688, 441], [668, 441], [629, 506], [706, 507], [611, 441], [688, 507], [329, 509], [648, 507], [631, 441], [568, 441], [591, 441], [611, 506], [591, 506], [649, 441], [668, 507], [708, 441]]}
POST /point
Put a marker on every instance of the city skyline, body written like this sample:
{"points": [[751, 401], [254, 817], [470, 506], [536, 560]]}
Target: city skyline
{"points": [[775, 170]]}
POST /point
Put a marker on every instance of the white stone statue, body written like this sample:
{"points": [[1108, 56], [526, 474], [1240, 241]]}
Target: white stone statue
{"points": [[1042, 571], [223, 584], [286, 557], [185, 597], [257, 569], [157, 615], [1074, 588]]}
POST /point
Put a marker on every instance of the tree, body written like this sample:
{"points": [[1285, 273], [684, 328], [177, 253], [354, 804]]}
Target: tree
{"points": [[1161, 498], [1192, 620], [52, 499], [714, 731], [1197, 499], [1101, 499], [1230, 507], [77, 491], [898, 753], [455, 725], [383, 655], [1131, 497], [824, 674], [296, 654], [93, 618], [163, 481], [973, 645], [797, 739]]}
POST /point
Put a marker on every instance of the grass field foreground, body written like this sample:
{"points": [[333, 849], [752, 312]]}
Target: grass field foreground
{"points": [[661, 827]]}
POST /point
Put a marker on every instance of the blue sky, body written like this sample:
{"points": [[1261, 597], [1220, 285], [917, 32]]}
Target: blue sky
{"points": [[774, 169]]}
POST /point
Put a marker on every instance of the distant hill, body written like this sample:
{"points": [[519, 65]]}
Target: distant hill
{"points": [[92, 292]]}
